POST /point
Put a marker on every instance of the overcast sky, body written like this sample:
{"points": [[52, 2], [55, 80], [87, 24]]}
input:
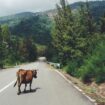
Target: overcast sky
{"points": [[8, 7]]}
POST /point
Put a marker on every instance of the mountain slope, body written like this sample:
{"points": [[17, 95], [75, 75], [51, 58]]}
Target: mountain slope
{"points": [[38, 27], [97, 9], [16, 18]]}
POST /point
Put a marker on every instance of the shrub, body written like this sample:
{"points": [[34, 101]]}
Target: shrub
{"points": [[71, 68], [94, 65]]}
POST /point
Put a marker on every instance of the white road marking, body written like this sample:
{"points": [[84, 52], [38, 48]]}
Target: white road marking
{"points": [[92, 100], [1, 90], [18, 67]]}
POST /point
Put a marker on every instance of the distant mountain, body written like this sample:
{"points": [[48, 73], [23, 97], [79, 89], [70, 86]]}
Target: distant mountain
{"points": [[97, 8], [12, 20], [38, 25], [92, 4]]}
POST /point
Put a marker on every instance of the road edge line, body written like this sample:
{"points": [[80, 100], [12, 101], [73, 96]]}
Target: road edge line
{"points": [[77, 88]]}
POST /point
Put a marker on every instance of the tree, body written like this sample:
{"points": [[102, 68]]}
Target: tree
{"points": [[86, 21], [63, 33], [86, 29], [27, 50], [31, 49], [102, 25], [5, 33], [1, 49], [13, 55]]}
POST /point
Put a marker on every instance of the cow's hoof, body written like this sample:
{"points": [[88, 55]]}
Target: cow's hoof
{"points": [[18, 93], [24, 91]]}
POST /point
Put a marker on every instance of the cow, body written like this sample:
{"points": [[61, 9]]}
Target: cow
{"points": [[25, 77]]}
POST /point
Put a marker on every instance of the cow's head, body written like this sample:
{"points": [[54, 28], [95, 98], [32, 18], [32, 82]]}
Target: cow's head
{"points": [[35, 73]]}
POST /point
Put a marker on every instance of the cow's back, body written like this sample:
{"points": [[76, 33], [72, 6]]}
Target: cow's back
{"points": [[29, 76], [25, 76]]}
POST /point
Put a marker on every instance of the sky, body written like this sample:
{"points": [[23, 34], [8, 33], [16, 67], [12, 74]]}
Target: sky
{"points": [[8, 7]]}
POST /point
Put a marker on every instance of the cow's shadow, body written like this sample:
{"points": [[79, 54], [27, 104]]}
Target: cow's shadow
{"points": [[32, 91]]}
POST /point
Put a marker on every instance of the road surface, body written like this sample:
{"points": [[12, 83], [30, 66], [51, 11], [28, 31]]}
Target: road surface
{"points": [[48, 89]]}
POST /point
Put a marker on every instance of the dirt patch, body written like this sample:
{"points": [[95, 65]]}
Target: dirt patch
{"points": [[101, 90]]}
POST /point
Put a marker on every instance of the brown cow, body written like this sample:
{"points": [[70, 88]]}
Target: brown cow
{"points": [[25, 77]]}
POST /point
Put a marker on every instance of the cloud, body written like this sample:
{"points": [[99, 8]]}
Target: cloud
{"points": [[8, 7]]}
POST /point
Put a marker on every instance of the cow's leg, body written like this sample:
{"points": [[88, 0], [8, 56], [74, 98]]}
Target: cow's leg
{"points": [[30, 86], [19, 85], [25, 87], [19, 90]]}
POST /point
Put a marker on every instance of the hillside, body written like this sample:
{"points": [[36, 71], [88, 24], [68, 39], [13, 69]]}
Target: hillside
{"points": [[39, 24], [38, 27], [97, 9], [29, 24], [12, 20]]}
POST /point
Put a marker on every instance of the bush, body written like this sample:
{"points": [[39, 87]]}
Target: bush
{"points": [[94, 66], [71, 68], [100, 77]]}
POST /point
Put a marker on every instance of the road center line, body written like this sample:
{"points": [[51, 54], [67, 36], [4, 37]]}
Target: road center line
{"points": [[1, 90]]}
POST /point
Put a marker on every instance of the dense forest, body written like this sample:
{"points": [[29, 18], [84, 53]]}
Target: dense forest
{"points": [[79, 41], [14, 49], [74, 37], [25, 39]]}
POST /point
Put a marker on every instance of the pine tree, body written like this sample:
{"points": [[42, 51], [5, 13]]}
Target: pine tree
{"points": [[86, 28], [102, 25], [27, 50], [63, 33], [1, 49], [31, 50], [5, 33], [86, 21]]}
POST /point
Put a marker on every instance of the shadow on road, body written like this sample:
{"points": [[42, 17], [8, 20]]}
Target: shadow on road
{"points": [[32, 91]]}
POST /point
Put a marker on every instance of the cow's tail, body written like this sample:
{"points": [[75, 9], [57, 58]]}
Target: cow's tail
{"points": [[17, 79], [15, 83]]}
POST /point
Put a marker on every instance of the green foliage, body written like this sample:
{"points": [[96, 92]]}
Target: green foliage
{"points": [[18, 41], [14, 49], [38, 27], [78, 42], [41, 49], [4, 43], [94, 67], [86, 22], [63, 34], [97, 8], [102, 24], [27, 50], [5, 33], [72, 68], [72, 34], [13, 20]]}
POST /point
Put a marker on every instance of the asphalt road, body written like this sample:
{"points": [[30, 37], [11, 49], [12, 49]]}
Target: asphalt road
{"points": [[48, 89]]}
